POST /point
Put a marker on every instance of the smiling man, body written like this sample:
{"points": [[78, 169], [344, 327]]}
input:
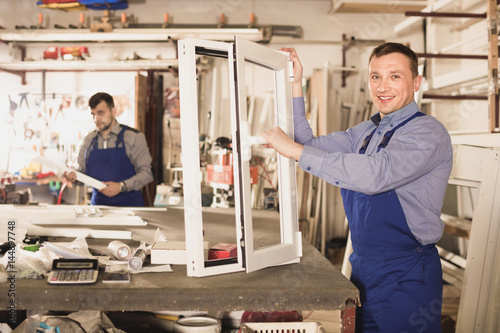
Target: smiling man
{"points": [[393, 172], [115, 154]]}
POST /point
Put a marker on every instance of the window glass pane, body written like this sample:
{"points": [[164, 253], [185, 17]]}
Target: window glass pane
{"points": [[260, 87], [216, 156]]}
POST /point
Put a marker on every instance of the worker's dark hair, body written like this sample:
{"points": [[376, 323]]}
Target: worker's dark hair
{"points": [[99, 97], [389, 47]]}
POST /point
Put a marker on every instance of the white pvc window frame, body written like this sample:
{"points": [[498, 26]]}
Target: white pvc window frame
{"points": [[290, 248]]}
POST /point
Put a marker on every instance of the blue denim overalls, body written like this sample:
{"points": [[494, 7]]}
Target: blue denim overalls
{"points": [[112, 164], [399, 279]]}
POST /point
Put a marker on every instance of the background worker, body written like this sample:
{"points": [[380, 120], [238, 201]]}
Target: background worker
{"points": [[115, 154], [393, 171]]}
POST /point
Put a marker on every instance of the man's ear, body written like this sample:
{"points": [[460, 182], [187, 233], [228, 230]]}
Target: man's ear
{"points": [[113, 111], [417, 82]]}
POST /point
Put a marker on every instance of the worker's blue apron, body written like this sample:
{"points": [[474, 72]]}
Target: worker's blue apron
{"points": [[399, 279], [112, 164]]}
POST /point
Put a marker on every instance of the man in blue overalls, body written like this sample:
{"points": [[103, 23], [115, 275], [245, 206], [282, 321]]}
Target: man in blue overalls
{"points": [[115, 154], [393, 170]]}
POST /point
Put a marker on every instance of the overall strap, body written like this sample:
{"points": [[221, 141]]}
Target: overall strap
{"points": [[366, 142], [92, 146], [387, 136], [119, 138]]}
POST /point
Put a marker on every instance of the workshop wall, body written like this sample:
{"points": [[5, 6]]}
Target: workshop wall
{"points": [[320, 46]]}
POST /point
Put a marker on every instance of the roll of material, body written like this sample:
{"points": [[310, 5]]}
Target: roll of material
{"points": [[137, 260], [119, 249]]}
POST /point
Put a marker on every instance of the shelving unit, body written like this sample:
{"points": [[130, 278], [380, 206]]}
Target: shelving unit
{"points": [[472, 80], [88, 65], [23, 39], [132, 35]]}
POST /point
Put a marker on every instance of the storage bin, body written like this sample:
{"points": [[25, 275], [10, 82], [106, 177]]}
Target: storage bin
{"points": [[288, 327]]}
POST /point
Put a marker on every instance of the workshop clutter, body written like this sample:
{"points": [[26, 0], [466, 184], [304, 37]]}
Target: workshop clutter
{"points": [[67, 53], [50, 123], [83, 4], [10, 195], [222, 172], [277, 321], [85, 321], [313, 327], [197, 324], [223, 251]]}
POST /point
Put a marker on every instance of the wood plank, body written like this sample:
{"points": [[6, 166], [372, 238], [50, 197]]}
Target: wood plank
{"points": [[452, 257], [493, 64], [373, 6], [459, 227], [455, 273], [409, 22]]}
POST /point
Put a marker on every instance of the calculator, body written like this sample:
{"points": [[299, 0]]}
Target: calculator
{"points": [[73, 271]]}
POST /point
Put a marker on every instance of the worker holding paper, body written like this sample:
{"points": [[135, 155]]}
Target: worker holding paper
{"points": [[115, 154]]}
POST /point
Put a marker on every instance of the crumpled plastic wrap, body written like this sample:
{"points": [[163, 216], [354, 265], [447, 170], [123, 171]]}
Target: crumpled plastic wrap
{"points": [[84, 321], [28, 264], [36, 265]]}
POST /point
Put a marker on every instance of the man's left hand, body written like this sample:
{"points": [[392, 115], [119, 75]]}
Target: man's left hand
{"points": [[111, 189]]}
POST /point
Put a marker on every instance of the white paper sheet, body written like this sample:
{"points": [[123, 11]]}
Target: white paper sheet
{"points": [[63, 168]]}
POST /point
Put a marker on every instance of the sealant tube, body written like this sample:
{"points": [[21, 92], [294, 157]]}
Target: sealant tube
{"points": [[120, 250], [137, 260]]}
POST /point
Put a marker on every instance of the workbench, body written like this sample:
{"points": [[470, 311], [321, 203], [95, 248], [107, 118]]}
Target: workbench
{"points": [[312, 284]]}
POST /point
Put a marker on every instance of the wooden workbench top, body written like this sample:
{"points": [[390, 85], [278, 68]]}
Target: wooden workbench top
{"points": [[312, 284]]}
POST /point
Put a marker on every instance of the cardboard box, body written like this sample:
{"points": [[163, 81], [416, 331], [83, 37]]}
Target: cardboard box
{"points": [[170, 252], [223, 251]]}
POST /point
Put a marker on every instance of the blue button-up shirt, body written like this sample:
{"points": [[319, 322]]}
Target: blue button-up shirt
{"points": [[416, 163]]}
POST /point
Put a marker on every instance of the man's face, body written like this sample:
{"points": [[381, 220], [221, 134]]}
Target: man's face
{"points": [[392, 84], [103, 116]]}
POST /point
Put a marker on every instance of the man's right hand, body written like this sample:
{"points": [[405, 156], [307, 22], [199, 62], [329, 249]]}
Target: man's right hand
{"points": [[70, 176]]}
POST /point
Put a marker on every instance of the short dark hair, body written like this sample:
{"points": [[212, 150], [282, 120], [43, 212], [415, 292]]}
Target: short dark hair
{"points": [[99, 97], [390, 47]]}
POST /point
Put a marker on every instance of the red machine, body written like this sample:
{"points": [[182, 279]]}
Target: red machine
{"points": [[223, 173]]}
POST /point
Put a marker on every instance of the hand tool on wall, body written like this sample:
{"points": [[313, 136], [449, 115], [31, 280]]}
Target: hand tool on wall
{"points": [[24, 99]]}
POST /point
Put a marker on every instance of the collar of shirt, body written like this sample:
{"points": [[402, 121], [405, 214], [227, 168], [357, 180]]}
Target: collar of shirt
{"points": [[102, 141], [115, 129], [397, 116]]}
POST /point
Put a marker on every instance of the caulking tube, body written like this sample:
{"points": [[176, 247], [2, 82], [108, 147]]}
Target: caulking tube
{"points": [[137, 260], [120, 250]]}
